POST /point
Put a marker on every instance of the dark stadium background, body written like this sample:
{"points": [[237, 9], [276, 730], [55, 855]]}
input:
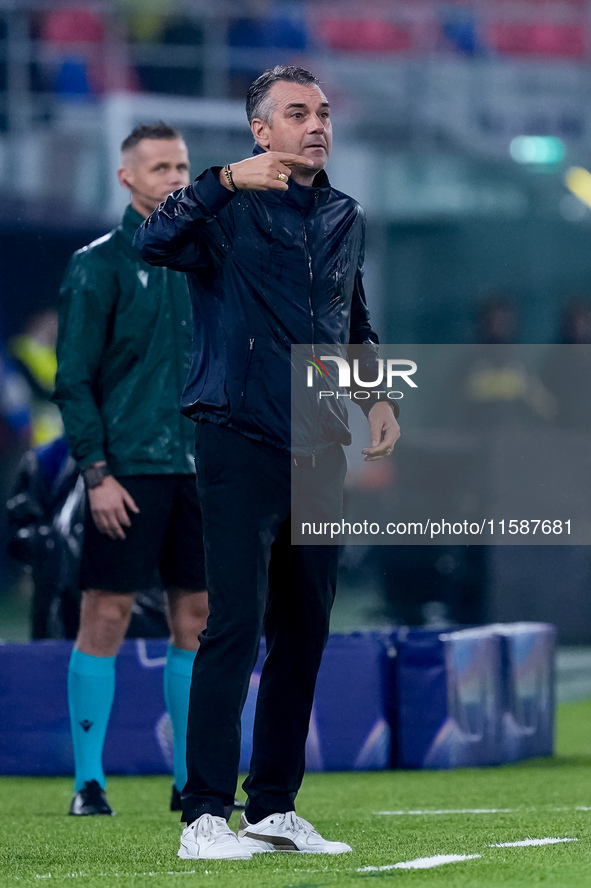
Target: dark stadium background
{"points": [[455, 126]]}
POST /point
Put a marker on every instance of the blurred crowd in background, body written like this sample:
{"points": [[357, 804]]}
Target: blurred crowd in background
{"points": [[162, 46], [469, 240]]}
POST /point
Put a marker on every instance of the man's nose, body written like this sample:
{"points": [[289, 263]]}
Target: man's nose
{"points": [[317, 124]]}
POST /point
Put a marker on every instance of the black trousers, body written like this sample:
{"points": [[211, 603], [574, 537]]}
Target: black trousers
{"points": [[257, 582]]}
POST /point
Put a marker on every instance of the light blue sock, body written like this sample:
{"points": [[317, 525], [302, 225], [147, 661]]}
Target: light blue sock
{"points": [[177, 684], [91, 689]]}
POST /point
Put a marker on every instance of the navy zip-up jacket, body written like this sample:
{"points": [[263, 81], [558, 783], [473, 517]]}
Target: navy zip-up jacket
{"points": [[266, 269]]}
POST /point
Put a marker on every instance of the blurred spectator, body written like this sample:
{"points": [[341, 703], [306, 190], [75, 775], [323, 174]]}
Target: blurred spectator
{"points": [[268, 27], [432, 586], [461, 32], [15, 414], [144, 18], [74, 38], [493, 387], [80, 69], [33, 353], [45, 527], [575, 324], [496, 321], [45, 533], [567, 371], [185, 80], [15, 431], [496, 386]]}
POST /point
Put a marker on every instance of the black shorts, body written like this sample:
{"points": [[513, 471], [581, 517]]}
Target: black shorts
{"points": [[163, 545]]}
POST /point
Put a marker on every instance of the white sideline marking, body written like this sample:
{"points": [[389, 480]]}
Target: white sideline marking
{"points": [[426, 812], [528, 842], [441, 859], [421, 862]]}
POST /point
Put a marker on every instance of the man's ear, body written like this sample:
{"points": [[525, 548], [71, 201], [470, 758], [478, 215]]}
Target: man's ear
{"points": [[124, 176], [260, 131]]}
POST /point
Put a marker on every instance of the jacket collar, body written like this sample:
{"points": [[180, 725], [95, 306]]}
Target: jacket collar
{"points": [[304, 197], [131, 222]]}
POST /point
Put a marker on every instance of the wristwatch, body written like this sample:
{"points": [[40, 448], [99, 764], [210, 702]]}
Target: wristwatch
{"points": [[94, 475]]}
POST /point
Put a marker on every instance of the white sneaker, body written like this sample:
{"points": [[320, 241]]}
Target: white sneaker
{"points": [[210, 838], [287, 832]]}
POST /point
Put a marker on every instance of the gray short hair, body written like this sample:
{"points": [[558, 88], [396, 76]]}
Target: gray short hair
{"points": [[258, 101]]}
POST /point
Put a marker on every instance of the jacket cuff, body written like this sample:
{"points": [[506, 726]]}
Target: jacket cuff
{"points": [[368, 403], [209, 191], [90, 459]]}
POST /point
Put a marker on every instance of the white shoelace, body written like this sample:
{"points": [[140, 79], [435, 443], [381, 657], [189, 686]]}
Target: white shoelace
{"points": [[213, 826], [298, 824]]}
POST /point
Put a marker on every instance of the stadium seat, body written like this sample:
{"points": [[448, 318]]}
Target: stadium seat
{"points": [[538, 38], [363, 35]]}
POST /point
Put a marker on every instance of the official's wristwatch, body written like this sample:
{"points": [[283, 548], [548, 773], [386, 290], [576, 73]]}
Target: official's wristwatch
{"points": [[94, 475]]}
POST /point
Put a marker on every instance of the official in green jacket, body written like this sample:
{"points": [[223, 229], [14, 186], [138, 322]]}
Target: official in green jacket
{"points": [[123, 346]]}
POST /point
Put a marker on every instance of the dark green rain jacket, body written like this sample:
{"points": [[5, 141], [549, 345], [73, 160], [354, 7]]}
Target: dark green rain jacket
{"points": [[123, 356]]}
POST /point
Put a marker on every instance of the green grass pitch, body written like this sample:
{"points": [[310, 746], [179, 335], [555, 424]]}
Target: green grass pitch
{"points": [[543, 798]]}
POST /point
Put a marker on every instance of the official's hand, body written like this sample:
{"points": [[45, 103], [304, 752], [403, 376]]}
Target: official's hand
{"points": [[110, 504], [261, 172], [384, 431]]}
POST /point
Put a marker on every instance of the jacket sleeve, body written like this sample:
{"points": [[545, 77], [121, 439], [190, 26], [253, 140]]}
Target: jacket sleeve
{"points": [[361, 332], [87, 297], [183, 231], [362, 335]]}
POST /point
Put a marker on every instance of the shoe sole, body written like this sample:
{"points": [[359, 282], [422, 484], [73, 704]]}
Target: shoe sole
{"points": [[251, 845], [185, 855], [285, 850], [92, 814]]}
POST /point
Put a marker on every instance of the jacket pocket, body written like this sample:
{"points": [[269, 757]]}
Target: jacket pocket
{"points": [[262, 399], [241, 400]]}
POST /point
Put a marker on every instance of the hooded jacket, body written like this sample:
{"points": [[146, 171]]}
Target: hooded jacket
{"points": [[123, 355], [266, 270]]}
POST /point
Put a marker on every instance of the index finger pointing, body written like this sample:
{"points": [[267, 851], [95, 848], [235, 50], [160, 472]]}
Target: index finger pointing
{"points": [[295, 160]]}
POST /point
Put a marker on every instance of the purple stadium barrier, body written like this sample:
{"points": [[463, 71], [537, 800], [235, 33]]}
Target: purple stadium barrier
{"points": [[348, 729], [408, 699], [473, 697]]}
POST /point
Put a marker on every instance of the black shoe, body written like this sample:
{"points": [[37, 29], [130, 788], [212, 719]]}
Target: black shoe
{"points": [[175, 804], [91, 799]]}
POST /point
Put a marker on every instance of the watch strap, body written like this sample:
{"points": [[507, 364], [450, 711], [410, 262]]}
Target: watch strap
{"points": [[94, 475]]}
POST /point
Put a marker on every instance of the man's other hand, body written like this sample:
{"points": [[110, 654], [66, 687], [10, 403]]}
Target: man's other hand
{"points": [[110, 504], [384, 432], [264, 172]]}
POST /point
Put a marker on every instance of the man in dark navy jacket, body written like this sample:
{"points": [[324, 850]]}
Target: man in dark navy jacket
{"points": [[274, 257]]}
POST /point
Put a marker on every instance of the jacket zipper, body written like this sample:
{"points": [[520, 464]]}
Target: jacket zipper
{"points": [[171, 290], [251, 342], [313, 331]]}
